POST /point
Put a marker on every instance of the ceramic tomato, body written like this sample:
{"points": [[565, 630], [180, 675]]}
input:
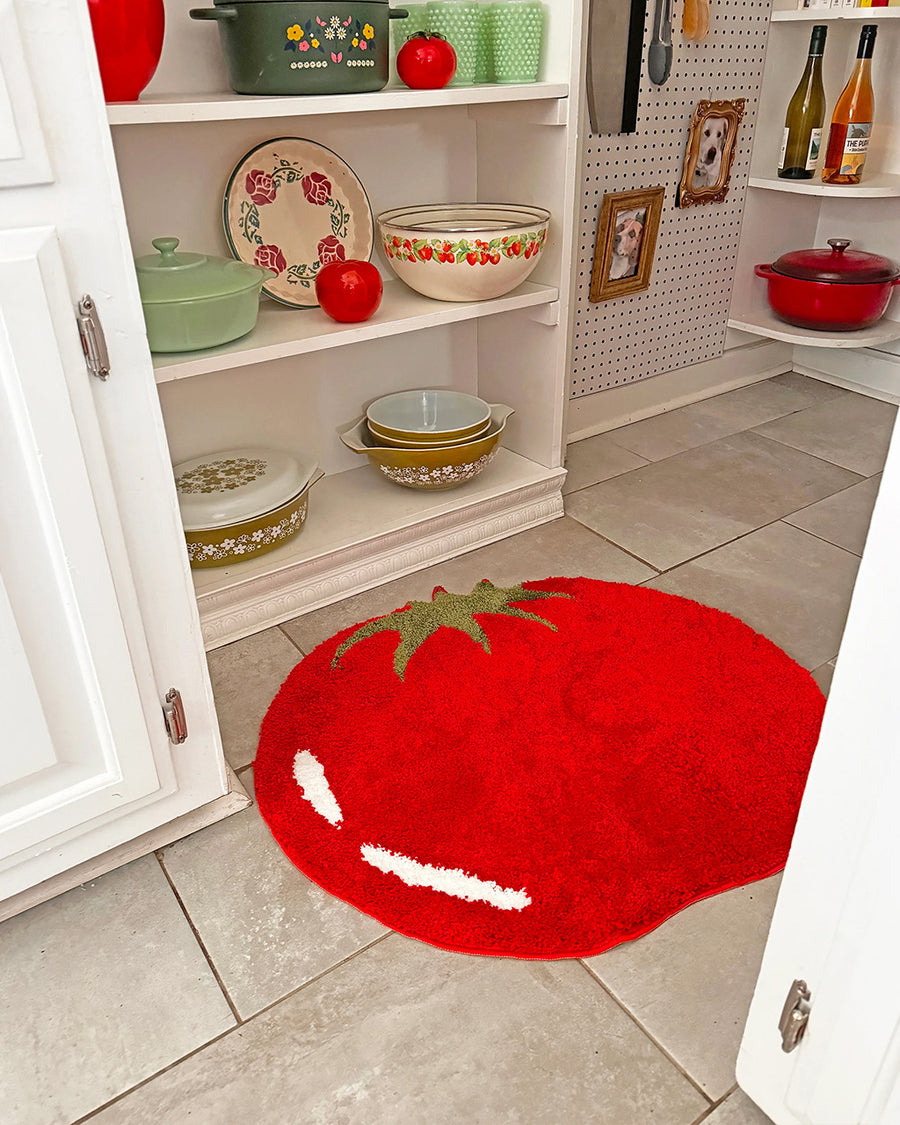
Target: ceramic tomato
{"points": [[350, 290], [426, 61]]}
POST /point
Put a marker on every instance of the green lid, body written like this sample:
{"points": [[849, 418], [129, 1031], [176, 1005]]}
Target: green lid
{"points": [[167, 276]]}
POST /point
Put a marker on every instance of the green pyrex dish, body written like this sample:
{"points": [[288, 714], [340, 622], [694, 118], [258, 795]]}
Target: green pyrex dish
{"points": [[194, 301]]}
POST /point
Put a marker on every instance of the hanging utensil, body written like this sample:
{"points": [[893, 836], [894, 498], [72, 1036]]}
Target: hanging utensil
{"points": [[695, 19], [659, 53]]}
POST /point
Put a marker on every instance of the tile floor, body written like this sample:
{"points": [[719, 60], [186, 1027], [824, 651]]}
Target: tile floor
{"points": [[212, 983]]}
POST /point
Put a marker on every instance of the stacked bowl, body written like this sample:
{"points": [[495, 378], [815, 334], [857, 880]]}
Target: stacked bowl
{"points": [[431, 439]]}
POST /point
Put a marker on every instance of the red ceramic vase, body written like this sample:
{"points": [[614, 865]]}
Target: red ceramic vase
{"points": [[128, 35]]}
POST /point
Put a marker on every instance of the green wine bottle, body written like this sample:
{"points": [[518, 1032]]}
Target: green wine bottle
{"points": [[805, 116]]}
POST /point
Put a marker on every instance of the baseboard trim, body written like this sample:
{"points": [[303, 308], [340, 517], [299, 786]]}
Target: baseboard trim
{"points": [[869, 372], [617, 406], [236, 799]]}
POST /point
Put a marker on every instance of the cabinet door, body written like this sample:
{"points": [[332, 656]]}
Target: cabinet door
{"points": [[837, 920], [97, 617]]}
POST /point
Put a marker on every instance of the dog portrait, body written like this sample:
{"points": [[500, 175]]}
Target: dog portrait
{"points": [[627, 239], [710, 153], [625, 244]]}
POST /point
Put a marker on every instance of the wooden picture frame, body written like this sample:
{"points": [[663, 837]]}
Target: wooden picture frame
{"points": [[626, 243], [710, 152]]}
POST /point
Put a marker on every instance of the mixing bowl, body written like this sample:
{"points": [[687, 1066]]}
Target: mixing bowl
{"points": [[463, 251], [426, 415]]}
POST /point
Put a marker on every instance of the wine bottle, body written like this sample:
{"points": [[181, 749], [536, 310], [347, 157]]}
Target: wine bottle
{"points": [[851, 122], [805, 116]]}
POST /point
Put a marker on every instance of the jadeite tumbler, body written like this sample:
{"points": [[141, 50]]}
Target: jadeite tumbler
{"points": [[517, 35], [484, 57], [458, 22], [401, 30]]}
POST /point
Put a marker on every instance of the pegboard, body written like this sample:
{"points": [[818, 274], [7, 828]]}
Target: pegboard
{"points": [[682, 318]]}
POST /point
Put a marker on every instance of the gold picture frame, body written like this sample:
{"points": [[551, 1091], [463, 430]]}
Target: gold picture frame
{"points": [[710, 152], [626, 243]]}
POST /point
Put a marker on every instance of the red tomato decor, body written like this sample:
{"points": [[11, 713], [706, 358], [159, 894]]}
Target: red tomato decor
{"points": [[129, 38], [543, 770], [349, 290], [426, 61]]}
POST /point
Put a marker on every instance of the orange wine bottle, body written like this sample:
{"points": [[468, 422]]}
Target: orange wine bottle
{"points": [[851, 122]]}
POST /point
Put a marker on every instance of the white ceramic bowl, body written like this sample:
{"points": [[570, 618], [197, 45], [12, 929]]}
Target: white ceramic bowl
{"points": [[428, 414], [463, 251]]}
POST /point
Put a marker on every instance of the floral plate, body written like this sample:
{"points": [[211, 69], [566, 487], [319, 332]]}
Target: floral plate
{"points": [[294, 206]]}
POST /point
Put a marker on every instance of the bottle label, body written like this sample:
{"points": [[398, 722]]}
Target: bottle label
{"points": [[815, 145], [784, 144], [856, 145]]}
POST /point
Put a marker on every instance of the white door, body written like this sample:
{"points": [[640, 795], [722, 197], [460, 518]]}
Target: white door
{"points": [[837, 922], [97, 617]]}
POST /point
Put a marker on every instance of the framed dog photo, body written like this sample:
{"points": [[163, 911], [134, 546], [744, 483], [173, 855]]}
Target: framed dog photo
{"points": [[710, 153], [626, 242]]}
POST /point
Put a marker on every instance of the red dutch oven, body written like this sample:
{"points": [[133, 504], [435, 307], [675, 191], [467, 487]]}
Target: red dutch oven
{"points": [[836, 290]]}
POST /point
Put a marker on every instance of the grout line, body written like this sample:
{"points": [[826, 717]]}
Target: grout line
{"points": [[618, 547], [668, 1054], [229, 1031], [291, 639], [198, 939], [707, 1113]]}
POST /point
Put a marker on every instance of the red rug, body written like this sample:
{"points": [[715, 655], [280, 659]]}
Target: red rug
{"points": [[539, 771]]}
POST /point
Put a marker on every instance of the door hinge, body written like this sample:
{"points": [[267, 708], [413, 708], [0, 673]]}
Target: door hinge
{"points": [[173, 712], [93, 340], [794, 1015]]}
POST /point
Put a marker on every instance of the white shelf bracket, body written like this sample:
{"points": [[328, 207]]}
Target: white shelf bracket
{"points": [[545, 314]]}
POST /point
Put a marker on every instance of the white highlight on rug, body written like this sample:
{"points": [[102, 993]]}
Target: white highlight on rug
{"points": [[309, 774], [451, 881]]}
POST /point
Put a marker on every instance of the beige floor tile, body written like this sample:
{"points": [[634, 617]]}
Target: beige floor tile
{"points": [[737, 1109], [407, 1035], [789, 586], [823, 676], [267, 928], [842, 519], [102, 987], [594, 459], [811, 391], [670, 511], [690, 981], [245, 677], [560, 548], [702, 422], [853, 433]]}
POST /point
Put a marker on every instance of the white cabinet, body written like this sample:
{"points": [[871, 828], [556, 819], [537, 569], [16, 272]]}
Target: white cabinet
{"points": [[299, 378], [97, 618], [782, 215]]}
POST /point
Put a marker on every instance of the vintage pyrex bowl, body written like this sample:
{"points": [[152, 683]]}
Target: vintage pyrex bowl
{"points": [[432, 469], [194, 301], [463, 251], [239, 503], [427, 414]]}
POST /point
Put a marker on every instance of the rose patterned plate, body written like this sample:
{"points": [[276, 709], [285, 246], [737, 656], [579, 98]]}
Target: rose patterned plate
{"points": [[294, 206]]}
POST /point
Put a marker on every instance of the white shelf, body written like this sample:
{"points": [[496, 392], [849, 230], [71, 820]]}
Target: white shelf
{"points": [[763, 323], [822, 15], [230, 107], [875, 186], [282, 331], [362, 530]]}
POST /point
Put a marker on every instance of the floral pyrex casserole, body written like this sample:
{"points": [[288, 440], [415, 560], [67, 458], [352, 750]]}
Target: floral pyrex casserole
{"points": [[463, 251]]}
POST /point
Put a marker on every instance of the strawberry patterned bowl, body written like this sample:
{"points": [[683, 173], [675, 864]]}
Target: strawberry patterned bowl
{"points": [[463, 251]]}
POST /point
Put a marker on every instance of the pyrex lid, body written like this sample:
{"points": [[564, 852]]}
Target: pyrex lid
{"points": [[168, 276], [850, 267], [223, 488]]}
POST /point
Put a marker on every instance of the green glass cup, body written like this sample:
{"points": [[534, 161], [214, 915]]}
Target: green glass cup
{"points": [[458, 22], [517, 36], [484, 57], [401, 30]]}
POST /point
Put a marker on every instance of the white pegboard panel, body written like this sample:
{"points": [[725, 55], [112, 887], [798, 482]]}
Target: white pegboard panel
{"points": [[681, 319]]}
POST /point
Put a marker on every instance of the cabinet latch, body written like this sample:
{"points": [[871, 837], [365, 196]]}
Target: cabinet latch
{"points": [[173, 711], [93, 340], [794, 1015]]}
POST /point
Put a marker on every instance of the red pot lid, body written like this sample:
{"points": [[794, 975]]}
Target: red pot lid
{"points": [[850, 267]]}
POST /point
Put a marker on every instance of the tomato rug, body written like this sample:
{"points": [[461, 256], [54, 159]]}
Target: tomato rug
{"points": [[542, 770]]}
